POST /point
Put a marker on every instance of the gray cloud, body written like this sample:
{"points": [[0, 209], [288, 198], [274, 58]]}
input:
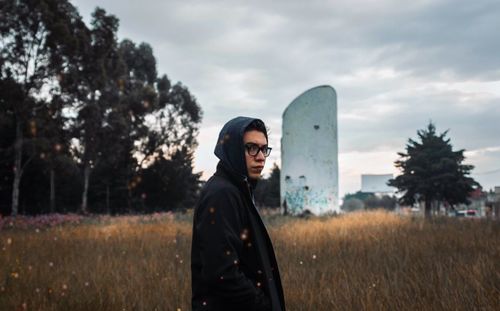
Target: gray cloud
{"points": [[395, 65]]}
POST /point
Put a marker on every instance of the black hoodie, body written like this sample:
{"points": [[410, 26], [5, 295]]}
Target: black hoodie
{"points": [[233, 264]]}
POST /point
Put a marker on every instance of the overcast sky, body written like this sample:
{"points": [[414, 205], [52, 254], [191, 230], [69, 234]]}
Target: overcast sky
{"points": [[395, 65]]}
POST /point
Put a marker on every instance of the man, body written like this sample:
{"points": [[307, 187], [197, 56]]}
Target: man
{"points": [[233, 264]]}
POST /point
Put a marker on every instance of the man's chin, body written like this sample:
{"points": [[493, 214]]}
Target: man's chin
{"points": [[255, 176]]}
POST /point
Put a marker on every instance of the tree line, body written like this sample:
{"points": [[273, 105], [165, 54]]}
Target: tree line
{"points": [[367, 200], [86, 122]]}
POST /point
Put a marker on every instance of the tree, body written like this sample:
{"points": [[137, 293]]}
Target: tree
{"points": [[148, 121], [352, 204], [94, 85], [362, 196], [432, 172], [36, 39], [368, 200], [73, 98], [124, 125], [175, 123], [267, 192], [168, 183], [53, 143]]}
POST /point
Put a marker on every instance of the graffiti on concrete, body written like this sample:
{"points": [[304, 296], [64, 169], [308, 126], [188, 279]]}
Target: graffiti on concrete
{"points": [[294, 196], [300, 197]]}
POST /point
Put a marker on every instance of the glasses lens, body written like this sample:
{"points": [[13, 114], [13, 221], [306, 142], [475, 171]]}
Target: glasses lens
{"points": [[254, 149], [267, 151]]}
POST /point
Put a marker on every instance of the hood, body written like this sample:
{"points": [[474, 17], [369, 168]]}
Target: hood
{"points": [[230, 149]]}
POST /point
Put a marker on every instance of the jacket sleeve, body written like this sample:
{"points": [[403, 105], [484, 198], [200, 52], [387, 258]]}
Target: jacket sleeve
{"points": [[219, 227]]}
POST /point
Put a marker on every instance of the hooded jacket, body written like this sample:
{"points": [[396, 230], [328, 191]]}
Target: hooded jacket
{"points": [[233, 265]]}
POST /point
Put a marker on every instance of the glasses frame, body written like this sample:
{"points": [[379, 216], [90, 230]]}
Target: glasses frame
{"points": [[266, 150]]}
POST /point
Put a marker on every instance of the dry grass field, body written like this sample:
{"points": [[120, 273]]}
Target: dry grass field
{"points": [[360, 261]]}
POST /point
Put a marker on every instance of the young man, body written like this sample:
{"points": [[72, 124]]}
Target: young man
{"points": [[233, 265]]}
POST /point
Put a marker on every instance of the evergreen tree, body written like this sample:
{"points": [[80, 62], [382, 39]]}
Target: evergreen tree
{"points": [[168, 184], [433, 172], [267, 192]]}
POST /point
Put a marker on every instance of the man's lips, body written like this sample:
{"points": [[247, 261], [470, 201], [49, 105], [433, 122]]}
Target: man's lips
{"points": [[258, 168]]}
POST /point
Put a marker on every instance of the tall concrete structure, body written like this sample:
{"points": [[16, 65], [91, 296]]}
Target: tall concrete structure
{"points": [[309, 153]]}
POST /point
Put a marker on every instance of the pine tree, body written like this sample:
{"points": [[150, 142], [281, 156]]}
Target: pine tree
{"points": [[267, 192], [433, 172]]}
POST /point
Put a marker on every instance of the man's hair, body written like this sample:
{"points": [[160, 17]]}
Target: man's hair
{"points": [[257, 125]]}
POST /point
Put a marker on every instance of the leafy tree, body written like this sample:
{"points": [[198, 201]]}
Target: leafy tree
{"points": [[386, 202], [72, 97], [123, 125], [51, 143], [358, 195], [368, 200], [127, 117], [352, 204], [432, 171], [174, 124], [95, 85], [150, 121], [7, 139], [168, 183], [36, 39], [46, 148]]}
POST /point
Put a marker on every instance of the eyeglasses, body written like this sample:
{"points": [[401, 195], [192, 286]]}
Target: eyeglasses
{"points": [[254, 149]]}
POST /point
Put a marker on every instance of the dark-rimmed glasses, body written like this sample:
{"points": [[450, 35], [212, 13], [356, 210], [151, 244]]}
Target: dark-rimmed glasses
{"points": [[253, 149]]}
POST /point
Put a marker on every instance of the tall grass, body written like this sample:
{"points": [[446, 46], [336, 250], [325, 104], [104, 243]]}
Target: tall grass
{"points": [[361, 261]]}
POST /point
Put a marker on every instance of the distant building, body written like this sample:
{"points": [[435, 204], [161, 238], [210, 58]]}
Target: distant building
{"points": [[377, 183]]}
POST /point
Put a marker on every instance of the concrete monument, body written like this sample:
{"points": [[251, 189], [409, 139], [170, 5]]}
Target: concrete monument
{"points": [[309, 153]]}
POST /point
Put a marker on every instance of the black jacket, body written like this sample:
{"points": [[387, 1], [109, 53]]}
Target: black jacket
{"points": [[233, 264]]}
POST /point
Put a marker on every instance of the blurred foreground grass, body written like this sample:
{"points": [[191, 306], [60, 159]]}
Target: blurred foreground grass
{"points": [[361, 261]]}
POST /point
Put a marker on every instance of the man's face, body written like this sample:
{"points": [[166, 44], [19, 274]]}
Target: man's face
{"points": [[255, 164]]}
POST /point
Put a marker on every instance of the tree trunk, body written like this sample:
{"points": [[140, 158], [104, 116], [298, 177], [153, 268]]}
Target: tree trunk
{"points": [[129, 197], [129, 188], [86, 175], [428, 209], [17, 169], [285, 208], [52, 192], [108, 209]]}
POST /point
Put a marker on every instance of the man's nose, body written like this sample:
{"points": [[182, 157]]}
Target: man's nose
{"points": [[260, 155]]}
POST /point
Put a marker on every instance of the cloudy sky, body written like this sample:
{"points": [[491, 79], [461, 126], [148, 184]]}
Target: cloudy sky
{"points": [[395, 65]]}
